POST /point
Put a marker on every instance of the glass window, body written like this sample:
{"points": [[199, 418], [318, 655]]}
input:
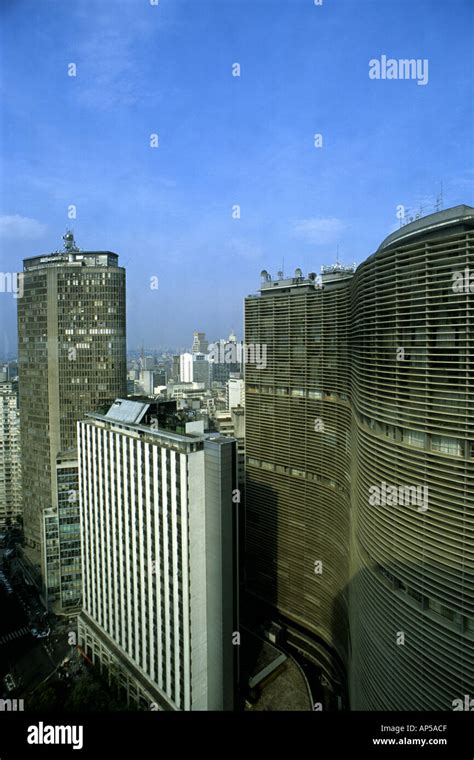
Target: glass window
{"points": [[414, 438], [446, 445]]}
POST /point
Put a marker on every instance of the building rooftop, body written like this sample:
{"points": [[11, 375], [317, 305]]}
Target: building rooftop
{"points": [[157, 419], [73, 259], [330, 275], [71, 255], [433, 223], [283, 282], [125, 410]]}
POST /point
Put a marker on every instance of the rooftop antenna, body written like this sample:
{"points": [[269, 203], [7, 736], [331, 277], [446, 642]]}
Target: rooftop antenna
{"points": [[69, 242], [439, 198]]}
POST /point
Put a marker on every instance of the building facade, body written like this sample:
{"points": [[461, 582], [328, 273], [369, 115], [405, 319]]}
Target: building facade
{"points": [[360, 466], [232, 423], [224, 360], [412, 576], [160, 559], [71, 344], [235, 392], [62, 539], [298, 448], [186, 368], [10, 455], [201, 370], [200, 344]]}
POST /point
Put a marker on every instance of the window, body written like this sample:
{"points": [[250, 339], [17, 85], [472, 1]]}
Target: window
{"points": [[446, 445], [414, 438], [253, 462], [298, 473]]}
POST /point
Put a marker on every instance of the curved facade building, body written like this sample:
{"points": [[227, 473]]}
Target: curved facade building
{"points": [[412, 550], [298, 459], [383, 495]]}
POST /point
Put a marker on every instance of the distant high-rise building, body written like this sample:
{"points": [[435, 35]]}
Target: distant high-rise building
{"points": [[150, 379], [9, 372], [200, 344], [159, 528], [224, 359], [10, 455], [360, 466], [201, 370], [148, 362], [175, 367], [186, 368], [235, 392], [71, 332]]}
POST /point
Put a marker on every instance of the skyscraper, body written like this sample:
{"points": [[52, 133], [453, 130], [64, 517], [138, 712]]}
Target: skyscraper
{"points": [[186, 368], [298, 447], [360, 466], [175, 367], [201, 370], [234, 392], [412, 587], [159, 532], [71, 345], [200, 344], [10, 459]]}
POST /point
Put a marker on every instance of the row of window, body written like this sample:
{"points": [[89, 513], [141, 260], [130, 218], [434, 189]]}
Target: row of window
{"points": [[463, 622], [316, 395], [418, 439]]}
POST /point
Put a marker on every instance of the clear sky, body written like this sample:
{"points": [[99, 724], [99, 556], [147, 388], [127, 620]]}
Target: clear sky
{"points": [[166, 69]]}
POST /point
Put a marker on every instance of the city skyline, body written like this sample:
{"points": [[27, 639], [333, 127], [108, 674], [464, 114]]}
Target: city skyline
{"points": [[224, 140], [236, 371]]}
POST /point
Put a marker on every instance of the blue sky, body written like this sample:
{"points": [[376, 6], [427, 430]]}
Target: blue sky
{"points": [[223, 140]]}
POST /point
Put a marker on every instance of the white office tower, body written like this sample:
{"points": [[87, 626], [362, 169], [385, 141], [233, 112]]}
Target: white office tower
{"points": [[186, 368], [235, 392], [160, 559]]}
